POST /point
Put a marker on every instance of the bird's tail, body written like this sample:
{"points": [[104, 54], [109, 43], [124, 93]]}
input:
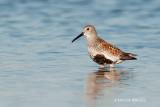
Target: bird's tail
{"points": [[128, 56]]}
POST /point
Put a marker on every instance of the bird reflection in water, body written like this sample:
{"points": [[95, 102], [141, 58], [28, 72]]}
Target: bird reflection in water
{"points": [[101, 79], [100, 84]]}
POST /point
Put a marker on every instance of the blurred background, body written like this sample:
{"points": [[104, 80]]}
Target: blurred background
{"points": [[39, 66]]}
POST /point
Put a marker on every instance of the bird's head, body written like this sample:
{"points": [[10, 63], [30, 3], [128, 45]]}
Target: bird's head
{"points": [[89, 32]]}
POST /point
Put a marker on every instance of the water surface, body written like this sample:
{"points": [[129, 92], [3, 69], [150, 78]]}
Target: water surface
{"points": [[41, 67]]}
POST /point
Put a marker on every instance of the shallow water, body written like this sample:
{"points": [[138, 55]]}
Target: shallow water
{"points": [[41, 67]]}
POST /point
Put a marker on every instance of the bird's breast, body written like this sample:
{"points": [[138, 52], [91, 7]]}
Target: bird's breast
{"points": [[92, 51]]}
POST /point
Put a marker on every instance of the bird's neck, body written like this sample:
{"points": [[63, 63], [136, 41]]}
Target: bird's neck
{"points": [[92, 41]]}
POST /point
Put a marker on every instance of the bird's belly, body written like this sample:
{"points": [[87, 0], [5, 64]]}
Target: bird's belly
{"points": [[99, 57], [110, 56], [103, 57]]}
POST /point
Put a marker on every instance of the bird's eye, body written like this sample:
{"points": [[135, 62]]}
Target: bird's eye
{"points": [[87, 28]]}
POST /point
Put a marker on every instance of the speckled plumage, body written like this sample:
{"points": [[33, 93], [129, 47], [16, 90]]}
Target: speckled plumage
{"points": [[101, 51]]}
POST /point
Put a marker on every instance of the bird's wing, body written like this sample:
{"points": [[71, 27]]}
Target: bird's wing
{"points": [[110, 51]]}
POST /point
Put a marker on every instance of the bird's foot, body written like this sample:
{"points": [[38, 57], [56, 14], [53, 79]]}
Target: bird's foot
{"points": [[101, 66], [111, 67]]}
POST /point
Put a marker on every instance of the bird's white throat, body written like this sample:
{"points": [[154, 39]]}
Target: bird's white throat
{"points": [[91, 39]]}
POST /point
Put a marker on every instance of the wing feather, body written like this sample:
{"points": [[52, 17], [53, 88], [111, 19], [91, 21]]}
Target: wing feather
{"points": [[108, 50]]}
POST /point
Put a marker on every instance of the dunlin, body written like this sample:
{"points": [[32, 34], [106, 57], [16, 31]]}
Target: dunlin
{"points": [[101, 51]]}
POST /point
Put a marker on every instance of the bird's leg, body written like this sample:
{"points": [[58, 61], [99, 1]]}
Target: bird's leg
{"points": [[101, 66], [111, 65]]}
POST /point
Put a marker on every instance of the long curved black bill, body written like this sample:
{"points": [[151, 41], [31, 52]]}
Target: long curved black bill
{"points": [[77, 37]]}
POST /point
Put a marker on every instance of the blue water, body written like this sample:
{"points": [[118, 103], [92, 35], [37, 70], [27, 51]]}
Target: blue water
{"points": [[40, 67]]}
